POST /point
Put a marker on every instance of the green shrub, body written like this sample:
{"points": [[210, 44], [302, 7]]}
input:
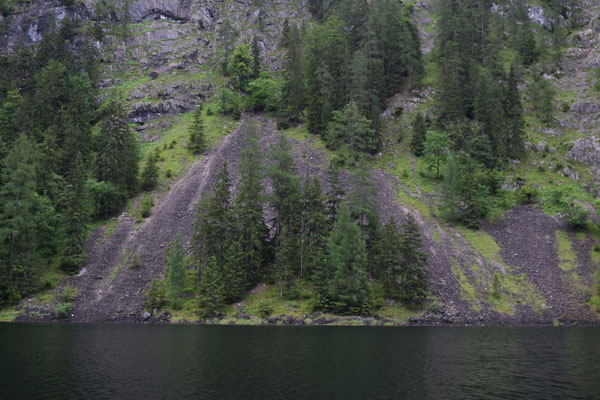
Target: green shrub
{"points": [[229, 103], [264, 308], [62, 310], [105, 199], [156, 295], [528, 195], [577, 217], [68, 294], [147, 205], [264, 94], [47, 282], [136, 263]]}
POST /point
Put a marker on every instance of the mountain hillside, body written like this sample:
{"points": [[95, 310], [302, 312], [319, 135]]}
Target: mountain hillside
{"points": [[527, 252]]}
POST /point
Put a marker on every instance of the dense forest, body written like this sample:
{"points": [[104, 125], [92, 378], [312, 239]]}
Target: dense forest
{"points": [[70, 158]]}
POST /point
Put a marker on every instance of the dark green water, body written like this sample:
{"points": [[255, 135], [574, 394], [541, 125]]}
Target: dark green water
{"points": [[223, 362]]}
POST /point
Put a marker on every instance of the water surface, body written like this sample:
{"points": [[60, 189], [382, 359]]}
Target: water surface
{"points": [[92, 361]]}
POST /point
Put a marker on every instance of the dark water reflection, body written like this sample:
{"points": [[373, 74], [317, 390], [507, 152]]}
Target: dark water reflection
{"points": [[222, 362]]}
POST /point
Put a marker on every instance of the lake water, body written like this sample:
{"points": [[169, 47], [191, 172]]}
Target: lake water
{"points": [[88, 361]]}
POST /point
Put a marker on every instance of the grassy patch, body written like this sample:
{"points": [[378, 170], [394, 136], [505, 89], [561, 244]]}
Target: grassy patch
{"points": [[483, 243], [566, 254], [8, 314]]}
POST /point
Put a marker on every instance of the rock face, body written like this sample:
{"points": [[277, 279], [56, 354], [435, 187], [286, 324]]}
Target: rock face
{"points": [[585, 108], [586, 150]]}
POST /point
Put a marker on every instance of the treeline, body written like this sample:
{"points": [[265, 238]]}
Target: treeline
{"points": [[478, 124], [334, 239], [65, 159], [336, 75]]}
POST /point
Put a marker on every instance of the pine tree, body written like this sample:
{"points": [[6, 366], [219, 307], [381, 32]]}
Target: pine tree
{"points": [[197, 142], [349, 291], [389, 262], [177, 263], [116, 159], [213, 230], [226, 37], [293, 73], [319, 110], [417, 143], [350, 128], [336, 192], [149, 176], [212, 289], [328, 53], [255, 58], [286, 201], [413, 288], [513, 109], [527, 45], [286, 254], [253, 232], [234, 273], [17, 222], [363, 205], [315, 227]]}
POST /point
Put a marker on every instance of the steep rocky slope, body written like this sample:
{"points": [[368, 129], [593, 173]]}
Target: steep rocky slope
{"points": [[166, 65]]}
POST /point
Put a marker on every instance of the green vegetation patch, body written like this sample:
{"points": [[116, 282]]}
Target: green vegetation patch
{"points": [[566, 254]]}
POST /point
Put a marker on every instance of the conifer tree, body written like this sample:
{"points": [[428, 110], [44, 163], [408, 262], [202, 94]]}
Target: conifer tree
{"points": [[319, 106], [117, 150], [197, 142], [513, 109], [177, 263], [255, 58], [253, 232], [389, 262], [336, 192], [315, 227], [286, 254], [213, 230], [350, 128], [417, 143], [293, 73], [149, 176], [17, 222], [349, 291], [212, 289], [413, 288], [286, 201], [234, 273]]}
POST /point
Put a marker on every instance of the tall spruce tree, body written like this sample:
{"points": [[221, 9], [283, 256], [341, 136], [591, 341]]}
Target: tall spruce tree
{"points": [[149, 175], [389, 262], [286, 201], [116, 159], [255, 58], [419, 129], [293, 89], [335, 193], [253, 232], [349, 291], [212, 291], [315, 227], [214, 230], [177, 263], [413, 288], [197, 141], [352, 129], [18, 250]]}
